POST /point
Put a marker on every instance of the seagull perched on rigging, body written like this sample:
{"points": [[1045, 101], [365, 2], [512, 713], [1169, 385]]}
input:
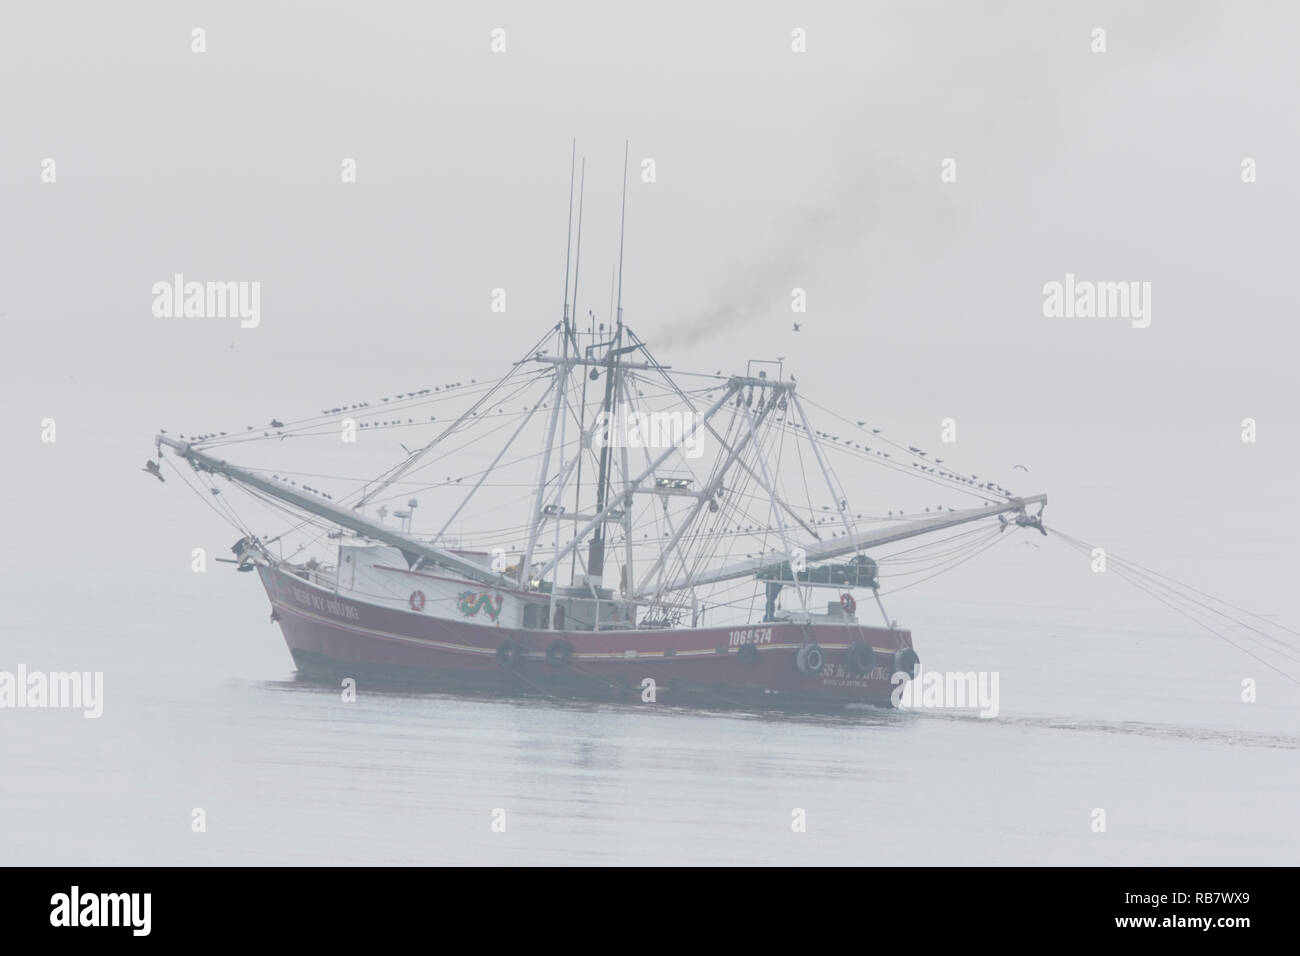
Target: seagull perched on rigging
{"points": [[796, 326], [151, 466]]}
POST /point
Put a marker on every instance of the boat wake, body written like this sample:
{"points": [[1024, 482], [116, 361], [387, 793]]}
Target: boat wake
{"points": [[1213, 735], [852, 716]]}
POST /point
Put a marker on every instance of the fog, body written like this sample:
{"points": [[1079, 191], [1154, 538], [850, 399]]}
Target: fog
{"points": [[774, 170]]}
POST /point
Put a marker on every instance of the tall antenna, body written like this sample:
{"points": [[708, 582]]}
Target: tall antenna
{"points": [[622, 223], [612, 273], [568, 238], [582, 408], [577, 261]]}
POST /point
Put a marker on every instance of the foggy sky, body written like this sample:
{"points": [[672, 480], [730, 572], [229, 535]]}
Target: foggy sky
{"points": [[775, 170]]}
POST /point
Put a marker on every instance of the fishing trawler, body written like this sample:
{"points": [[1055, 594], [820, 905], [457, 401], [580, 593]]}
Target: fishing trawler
{"points": [[636, 531]]}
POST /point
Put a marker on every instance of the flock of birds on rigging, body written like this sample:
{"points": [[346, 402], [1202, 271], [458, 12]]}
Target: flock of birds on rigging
{"points": [[276, 425]]}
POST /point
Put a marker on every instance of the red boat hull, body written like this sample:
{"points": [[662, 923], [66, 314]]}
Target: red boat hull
{"points": [[339, 636]]}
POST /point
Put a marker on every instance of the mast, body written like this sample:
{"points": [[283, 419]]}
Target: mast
{"points": [[539, 513], [596, 547], [571, 338], [561, 382], [577, 485], [568, 238]]}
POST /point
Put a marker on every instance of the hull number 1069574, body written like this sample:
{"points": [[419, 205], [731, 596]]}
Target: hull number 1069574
{"points": [[752, 635]]}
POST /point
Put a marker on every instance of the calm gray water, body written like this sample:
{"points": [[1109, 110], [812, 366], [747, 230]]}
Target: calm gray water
{"points": [[288, 773]]}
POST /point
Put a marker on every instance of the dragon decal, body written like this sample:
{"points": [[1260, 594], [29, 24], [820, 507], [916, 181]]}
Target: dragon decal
{"points": [[471, 602]]}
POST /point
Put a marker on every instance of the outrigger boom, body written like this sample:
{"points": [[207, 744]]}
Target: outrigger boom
{"points": [[412, 548], [867, 539]]}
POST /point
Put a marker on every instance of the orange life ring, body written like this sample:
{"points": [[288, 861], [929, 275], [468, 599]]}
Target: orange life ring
{"points": [[417, 600], [847, 602]]}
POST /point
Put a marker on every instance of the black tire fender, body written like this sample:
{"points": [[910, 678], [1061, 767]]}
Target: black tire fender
{"points": [[809, 660], [862, 658], [906, 661], [508, 653], [559, 653]]}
